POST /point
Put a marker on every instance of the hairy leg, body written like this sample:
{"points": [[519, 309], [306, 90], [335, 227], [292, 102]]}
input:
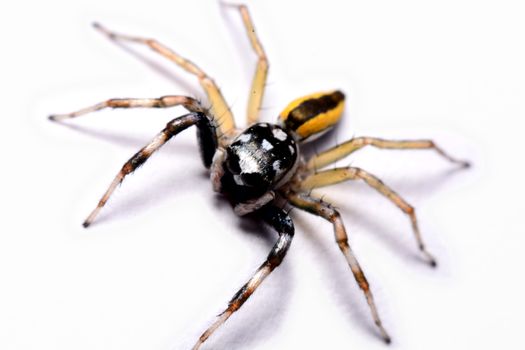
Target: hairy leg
{"points": [[333, 176], [219, 108], [172, 128], [189, 103], [325, 210], [282, 223], [261, 71], [340, 151]]}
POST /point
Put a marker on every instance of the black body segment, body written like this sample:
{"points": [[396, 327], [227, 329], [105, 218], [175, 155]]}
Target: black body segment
{"points": [[257, 160]]}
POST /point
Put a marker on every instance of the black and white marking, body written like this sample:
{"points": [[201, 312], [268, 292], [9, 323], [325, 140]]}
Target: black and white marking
{"points": [[261, 156]]}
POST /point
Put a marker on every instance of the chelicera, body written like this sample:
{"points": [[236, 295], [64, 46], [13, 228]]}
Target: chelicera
{"points": [[261, 165]]}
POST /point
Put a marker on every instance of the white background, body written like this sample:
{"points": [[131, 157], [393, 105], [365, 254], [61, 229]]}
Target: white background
{"points": [[166, 254]]}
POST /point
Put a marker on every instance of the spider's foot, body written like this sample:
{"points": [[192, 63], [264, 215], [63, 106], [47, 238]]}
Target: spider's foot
{"points": [[104, 30], [97, 26], [58, 117], [459, 162], [429, 257], [89, 220], [384, 334], [464, 163]]}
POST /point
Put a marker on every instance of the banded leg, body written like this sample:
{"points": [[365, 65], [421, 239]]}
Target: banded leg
{"points": [[282, 223], [340, 151], [207, 135], [325, 210], [250, 206], [219, 108], [330, 177], [261, 71], [189, 103]]}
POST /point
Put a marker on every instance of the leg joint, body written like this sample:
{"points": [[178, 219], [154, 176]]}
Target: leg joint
{"points": [[263, 61], [332, 215], [342, 242], [136, 161], [118, 103], [361, 281]]}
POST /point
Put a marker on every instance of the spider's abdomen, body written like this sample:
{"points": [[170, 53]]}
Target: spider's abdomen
{"points": [[313, 114], [260, 157]]}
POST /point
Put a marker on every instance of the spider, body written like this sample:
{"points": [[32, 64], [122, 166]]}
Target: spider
{"points": [[257, 167]]}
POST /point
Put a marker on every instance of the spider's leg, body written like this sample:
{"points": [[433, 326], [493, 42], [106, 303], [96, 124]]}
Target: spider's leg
{"points": [[333, 176], [189, 103], [207, 141], [250, 206], [325, 210], [261, 71], [340, 151], [219, 108], [283, 224]]}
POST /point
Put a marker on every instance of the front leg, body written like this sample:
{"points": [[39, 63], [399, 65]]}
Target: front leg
{"points": [[189, 103], [207, 140]]}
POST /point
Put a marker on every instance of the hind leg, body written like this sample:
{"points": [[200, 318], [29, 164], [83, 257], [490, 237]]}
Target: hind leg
{"points": [[325, 210], [282, 223]]}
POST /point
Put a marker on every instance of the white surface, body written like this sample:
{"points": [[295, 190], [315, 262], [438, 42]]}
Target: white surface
{"points": [[167, 254]]}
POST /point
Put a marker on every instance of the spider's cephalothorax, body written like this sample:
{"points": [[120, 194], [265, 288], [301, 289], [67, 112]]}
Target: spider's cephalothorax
{"points": [[258, 160], [262, 164]]}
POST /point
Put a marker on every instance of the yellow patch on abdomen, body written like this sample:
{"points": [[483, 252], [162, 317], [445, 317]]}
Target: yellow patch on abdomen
{"points": [[313, 114]]}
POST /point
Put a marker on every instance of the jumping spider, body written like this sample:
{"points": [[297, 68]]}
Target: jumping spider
{"points": [[257, 166]]}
